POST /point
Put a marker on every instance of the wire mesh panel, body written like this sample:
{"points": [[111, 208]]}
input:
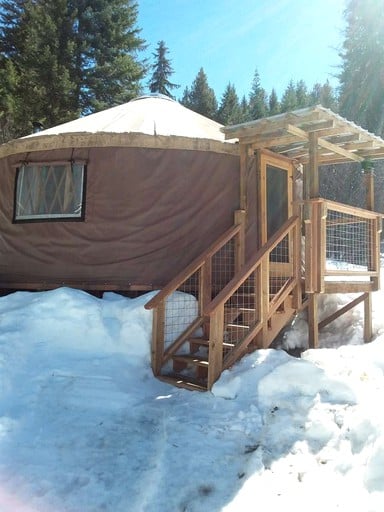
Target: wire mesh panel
{"points": [[241, 313], [348, 241], [281, 266], [223, 266], [182, 308]]}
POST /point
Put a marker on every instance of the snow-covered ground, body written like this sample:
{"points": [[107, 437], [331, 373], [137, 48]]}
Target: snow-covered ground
{"points": [[84, 426]]}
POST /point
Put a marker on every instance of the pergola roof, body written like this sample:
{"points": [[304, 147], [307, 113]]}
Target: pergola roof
{"points": [[291, 134]]}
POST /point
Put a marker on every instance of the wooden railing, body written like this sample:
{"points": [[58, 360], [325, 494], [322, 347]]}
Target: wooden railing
{"points": [[342, 247], [179, 308], [250, 294]]}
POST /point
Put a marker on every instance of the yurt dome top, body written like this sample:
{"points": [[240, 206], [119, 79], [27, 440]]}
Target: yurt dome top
{"points": [[149, 121], [151, 115]]}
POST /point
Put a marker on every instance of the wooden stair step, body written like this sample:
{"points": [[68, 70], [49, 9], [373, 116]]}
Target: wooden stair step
{"points": [[182, 381], [191, 359], [237, 327]]}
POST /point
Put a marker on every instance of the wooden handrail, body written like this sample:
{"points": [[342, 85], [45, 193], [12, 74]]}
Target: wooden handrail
{"points": [[193, 267], [251, 266], [345, 208]]}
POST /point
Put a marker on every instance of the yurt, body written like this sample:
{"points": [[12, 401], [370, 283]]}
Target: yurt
{"points": [[118, 200]]}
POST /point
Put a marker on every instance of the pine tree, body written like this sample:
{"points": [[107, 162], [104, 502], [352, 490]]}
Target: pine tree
{"points": [[289, 99], [301, 94], [201, 97], [273, 103], [361, 77], [69, 57], [229, 110], [8, 106], [245, 114], [257, 99], [162, 70]]}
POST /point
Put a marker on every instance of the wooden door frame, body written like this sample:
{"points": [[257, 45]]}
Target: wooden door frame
{"points": [[265, 158]]}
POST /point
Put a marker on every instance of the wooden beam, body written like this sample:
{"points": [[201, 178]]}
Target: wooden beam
{"points": [[298, 132], [313, 166], [342, 310], [339, 150]]}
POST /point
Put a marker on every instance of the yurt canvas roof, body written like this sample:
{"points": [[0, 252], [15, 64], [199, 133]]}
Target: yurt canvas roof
{"points": [[153, 121]]}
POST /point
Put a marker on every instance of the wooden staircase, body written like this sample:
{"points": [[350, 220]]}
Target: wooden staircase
{"points": [[247, 312], [189, 368]]}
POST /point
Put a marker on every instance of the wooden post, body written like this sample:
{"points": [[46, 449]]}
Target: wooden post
{"points": [[158, 332], [297, 265], [368, 318], [313, 166], [265, 299], [216, 335], [243, 175], [240, 217], [205, 292], [313, 321], [313, 189], [369, 189]]}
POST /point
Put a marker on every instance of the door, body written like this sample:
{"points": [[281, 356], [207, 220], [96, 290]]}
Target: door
{"points": [[275, 200]]}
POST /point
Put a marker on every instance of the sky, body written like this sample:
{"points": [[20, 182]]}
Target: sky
{"points": [[283, 39], [85, 427]]}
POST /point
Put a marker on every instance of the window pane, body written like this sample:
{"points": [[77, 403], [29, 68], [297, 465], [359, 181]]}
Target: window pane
{"points": [[49, 192]]}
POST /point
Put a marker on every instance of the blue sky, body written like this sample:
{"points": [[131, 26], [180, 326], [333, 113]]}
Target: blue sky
{"points": [[282, 39]]}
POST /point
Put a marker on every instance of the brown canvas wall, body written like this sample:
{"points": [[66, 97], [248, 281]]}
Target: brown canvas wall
{"points": [[149, 212]]}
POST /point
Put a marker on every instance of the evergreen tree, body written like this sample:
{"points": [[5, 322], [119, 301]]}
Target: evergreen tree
{"points": [[301, 94], [328, 97], [258, 105], [201, 97], [229, 110], [273, 103], [8, 106], [289, 99], [361, 77], [245, 114], [162, 70], [69, 57]]}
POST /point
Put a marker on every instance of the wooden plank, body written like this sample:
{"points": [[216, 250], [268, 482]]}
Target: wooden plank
{"points": [[349, 287], [339, 150], [216, 346], [158, 328], [351, 210], [342, 310]]}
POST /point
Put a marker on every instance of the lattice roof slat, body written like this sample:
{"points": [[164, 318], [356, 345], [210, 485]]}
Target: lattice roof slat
{"points": [[339, 140]]}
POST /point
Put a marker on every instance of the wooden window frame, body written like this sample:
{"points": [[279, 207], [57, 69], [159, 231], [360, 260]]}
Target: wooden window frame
{"points": [[52, 188]]}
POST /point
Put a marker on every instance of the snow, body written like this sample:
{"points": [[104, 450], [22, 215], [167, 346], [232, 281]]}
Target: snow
{"points": [[85, 427]]}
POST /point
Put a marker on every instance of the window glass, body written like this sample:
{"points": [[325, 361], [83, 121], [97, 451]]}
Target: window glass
{"points": [[49, 192]]}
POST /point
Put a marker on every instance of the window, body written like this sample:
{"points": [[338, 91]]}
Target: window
{"points": [[49, 192]]}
